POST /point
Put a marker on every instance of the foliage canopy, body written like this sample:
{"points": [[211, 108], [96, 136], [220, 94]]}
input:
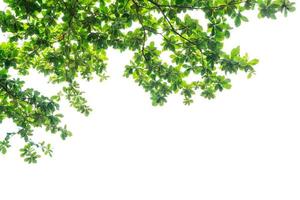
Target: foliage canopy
{"points": [[67, 39]]}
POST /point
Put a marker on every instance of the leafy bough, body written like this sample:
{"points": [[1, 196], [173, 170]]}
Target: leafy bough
{"points": [[66, 40]]}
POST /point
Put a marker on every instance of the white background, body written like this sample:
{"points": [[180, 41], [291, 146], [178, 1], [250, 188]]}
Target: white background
{"points": [[244, 145]]}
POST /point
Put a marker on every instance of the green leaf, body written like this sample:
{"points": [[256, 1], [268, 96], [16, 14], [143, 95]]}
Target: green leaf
{"points": [[235, 52]]}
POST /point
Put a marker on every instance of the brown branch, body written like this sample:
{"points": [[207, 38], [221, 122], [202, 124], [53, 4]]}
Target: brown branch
{"points": [[174, 30], [143, 27], [195, 7]]}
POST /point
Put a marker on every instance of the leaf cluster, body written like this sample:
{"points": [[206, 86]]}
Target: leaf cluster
{"points": [[66, 40]]}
